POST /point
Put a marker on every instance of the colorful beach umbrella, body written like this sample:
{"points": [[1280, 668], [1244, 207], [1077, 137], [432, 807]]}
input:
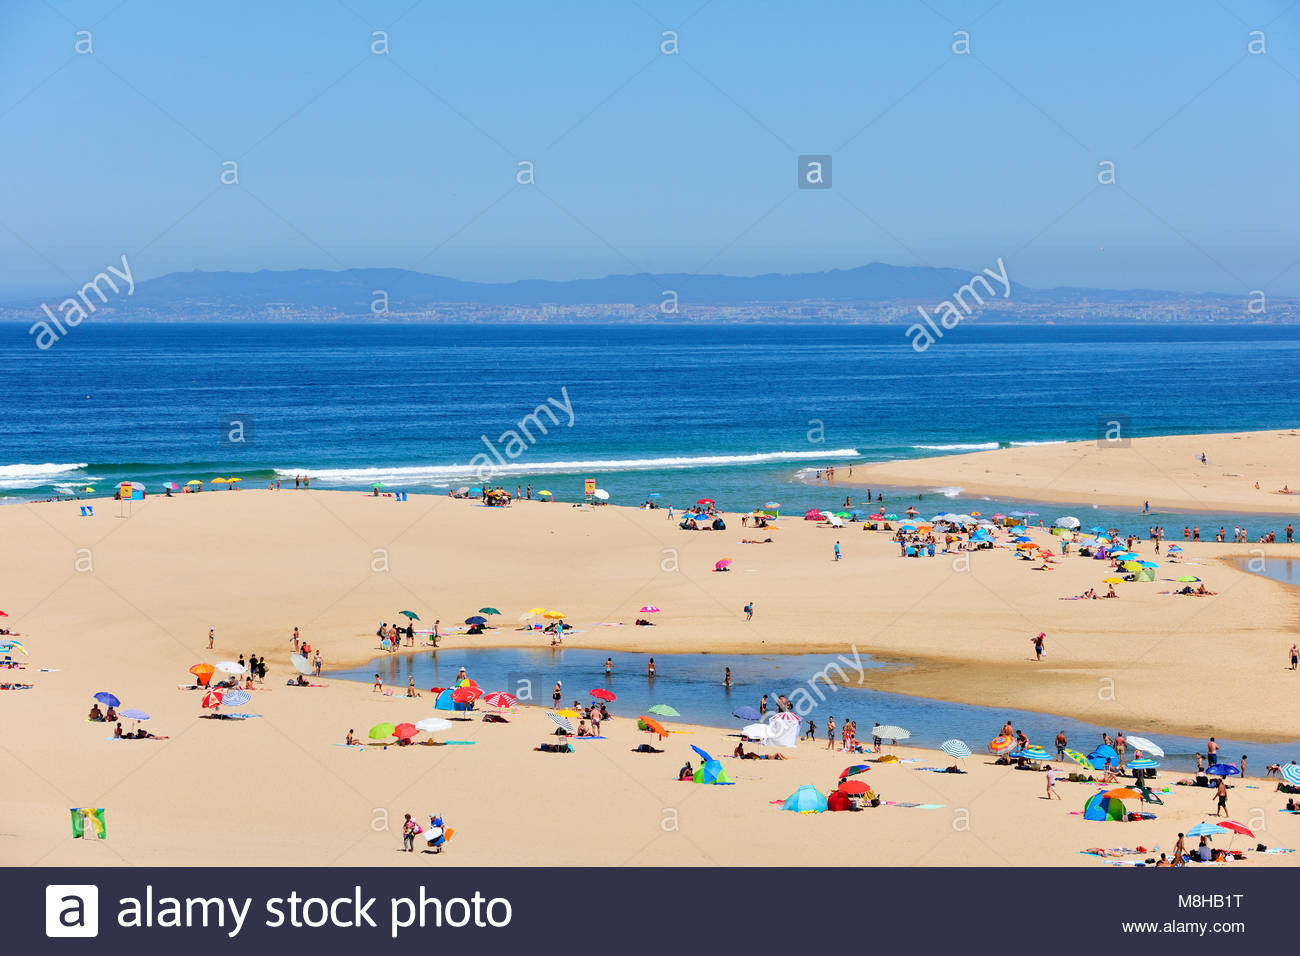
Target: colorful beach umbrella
{"points": [[601, 694], [1291, 773], [14, 646], [203, 673], [649, 609], [1033, 753], [411, 614], [1123, 793], [484, 610], [1188, 579], [500, 699], [1143, 763], [465, 695], [554, 615], [1078, 758], [236, 698], [133, 714], [1236, 827], [653, 725], [1205, 829], [212, 699], [405, 731], [890, 732], [560, 721], [722, 565], [107, 699], [664, 710], [479, 619], [381, 731], [852, 787], [854, 770], [1223, 770], [1002, 743]]}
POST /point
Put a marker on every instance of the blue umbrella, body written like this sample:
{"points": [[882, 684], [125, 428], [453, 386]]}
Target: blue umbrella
{"points": [[806, 799], [1147, 564], [749, 713], [654, 495], [1291, 773], [107, 699], [132, 714], [1222, 770], [476, 619], [1206, 829], [955, 748], [1094, 529], [1032, 753], [236, 698], [703, 755]]}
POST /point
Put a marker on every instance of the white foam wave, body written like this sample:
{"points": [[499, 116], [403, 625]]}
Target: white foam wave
{"points": [[949, 492], [442, 475], [1049, 441], [33, 476], [978, 446]]}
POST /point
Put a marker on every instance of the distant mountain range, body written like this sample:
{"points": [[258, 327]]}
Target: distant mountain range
{"points": [[875, 292]]}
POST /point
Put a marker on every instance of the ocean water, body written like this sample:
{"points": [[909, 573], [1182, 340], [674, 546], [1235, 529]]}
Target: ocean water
{"points": [[727, 412], [692, 683]]}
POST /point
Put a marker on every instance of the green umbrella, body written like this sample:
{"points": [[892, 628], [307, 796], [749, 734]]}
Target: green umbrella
{"points": [[488, 610], [664, 710], [1189, 579], [382, 731], [411, 614]]}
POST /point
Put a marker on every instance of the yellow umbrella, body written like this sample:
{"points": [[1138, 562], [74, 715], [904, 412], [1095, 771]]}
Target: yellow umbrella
{"points": [[221, 481], [537, 610], [567, 712], [233, 480], [553, 615], [1112, 580], [193, 481]]}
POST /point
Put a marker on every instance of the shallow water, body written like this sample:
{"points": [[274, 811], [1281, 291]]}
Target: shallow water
{"points": [[693, 684]]}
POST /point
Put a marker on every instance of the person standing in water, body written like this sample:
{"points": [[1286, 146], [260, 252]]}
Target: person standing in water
{"points": [[726, 681], [609, 667], [650, 669]]}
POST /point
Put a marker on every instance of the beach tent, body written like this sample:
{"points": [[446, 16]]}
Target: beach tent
{"points": [[1147, 575], [812, 514], [1099, 757], [807, 799], [783, 729], [712, 772], [1102, 807], [444, 701]]}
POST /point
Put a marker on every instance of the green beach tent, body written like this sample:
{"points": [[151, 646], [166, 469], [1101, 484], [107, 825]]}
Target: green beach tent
{"points": [[1147, 575], [712, 771]]}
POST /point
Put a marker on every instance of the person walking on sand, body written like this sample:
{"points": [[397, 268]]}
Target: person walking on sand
{"points": [[1180, 852], [212, 637], [294, 639], [379, 685], [1038, 645], [811, 733], [749, 613], [1221, 795], [316, 662], [830, 732], [1295, 656], [1051, 783], [837, 550], [409, 829]]}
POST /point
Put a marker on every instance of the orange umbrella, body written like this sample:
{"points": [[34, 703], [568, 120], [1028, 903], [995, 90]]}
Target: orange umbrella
{"points": [[654, 725], [1123, 793], [1001, 743], [203, 673]]}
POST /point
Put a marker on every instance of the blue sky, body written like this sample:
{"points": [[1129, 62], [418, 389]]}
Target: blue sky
{"points": [[652, 161]]}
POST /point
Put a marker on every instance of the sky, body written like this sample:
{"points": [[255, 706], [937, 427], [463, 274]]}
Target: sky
{"points": [[662, 137]]}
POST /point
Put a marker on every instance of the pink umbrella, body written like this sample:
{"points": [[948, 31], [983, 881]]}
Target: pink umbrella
{"points": [[722, 565], [649, 609]]}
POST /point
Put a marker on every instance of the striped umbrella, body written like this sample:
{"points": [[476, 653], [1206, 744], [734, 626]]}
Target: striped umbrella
{"points": [[1146, 763], [1002, 743], [212, 699], [890, 732], [1206, 829], [854, 770], [1291, 773], [562, 722], [1146, 746], [500, 700], [956, 749], [1033, 753], [664, 710], [1078, 758], [237, 698]]}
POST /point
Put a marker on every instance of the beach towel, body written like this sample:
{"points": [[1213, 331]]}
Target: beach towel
{"points": [[1279, 849], [352, 746]]}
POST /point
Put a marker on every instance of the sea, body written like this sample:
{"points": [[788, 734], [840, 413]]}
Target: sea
{"points": [[741, 414]]}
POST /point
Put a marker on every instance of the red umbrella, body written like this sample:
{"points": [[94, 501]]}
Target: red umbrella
{"points": [[855, 769], [405, 731], [3, 614], [706, 501], [601, 694], [500, 699], [466, 695], [212, 699], [853, 786], [1235, 827]]}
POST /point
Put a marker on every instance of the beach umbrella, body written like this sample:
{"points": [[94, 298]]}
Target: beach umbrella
{"points": [[854, 770], [301, 664], [499, 699], [171, 486], [704, 754], [554, 615], [664, 710], [1033, 753], [107, 699], [1223, 770], [236, 698], [1002, 743], [212, 699], [1067, 521], [772, 504], [88, 490], [561, 722], [479, 619], [194, 481], [1147, 746], [465, 695], [601, 494], [956, 749], [1143, 763], [706, 501], [1291, 773], [1188, 579], [722, 565], [411, 614], [751, 713], [890, 732], [1101, 807], [430, 724], [231, 667], [14, 646], [1236, 827], [1123, 793], [381, 731], [601, 694], [1150, 564], [889, 517], [134, 714], [537, 610], [544, 494], [1206, 829], [484, 610], [202, 673], [757, 731], [806, 799], [853, 787], [1078, 758], [649, 609], [220, 481], [567, 712], [405, 731], [1112, 580], [654, 725]]}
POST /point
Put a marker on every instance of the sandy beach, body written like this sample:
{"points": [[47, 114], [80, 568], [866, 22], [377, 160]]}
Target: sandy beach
{"points": [[125, 604], [1166, 471]]}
